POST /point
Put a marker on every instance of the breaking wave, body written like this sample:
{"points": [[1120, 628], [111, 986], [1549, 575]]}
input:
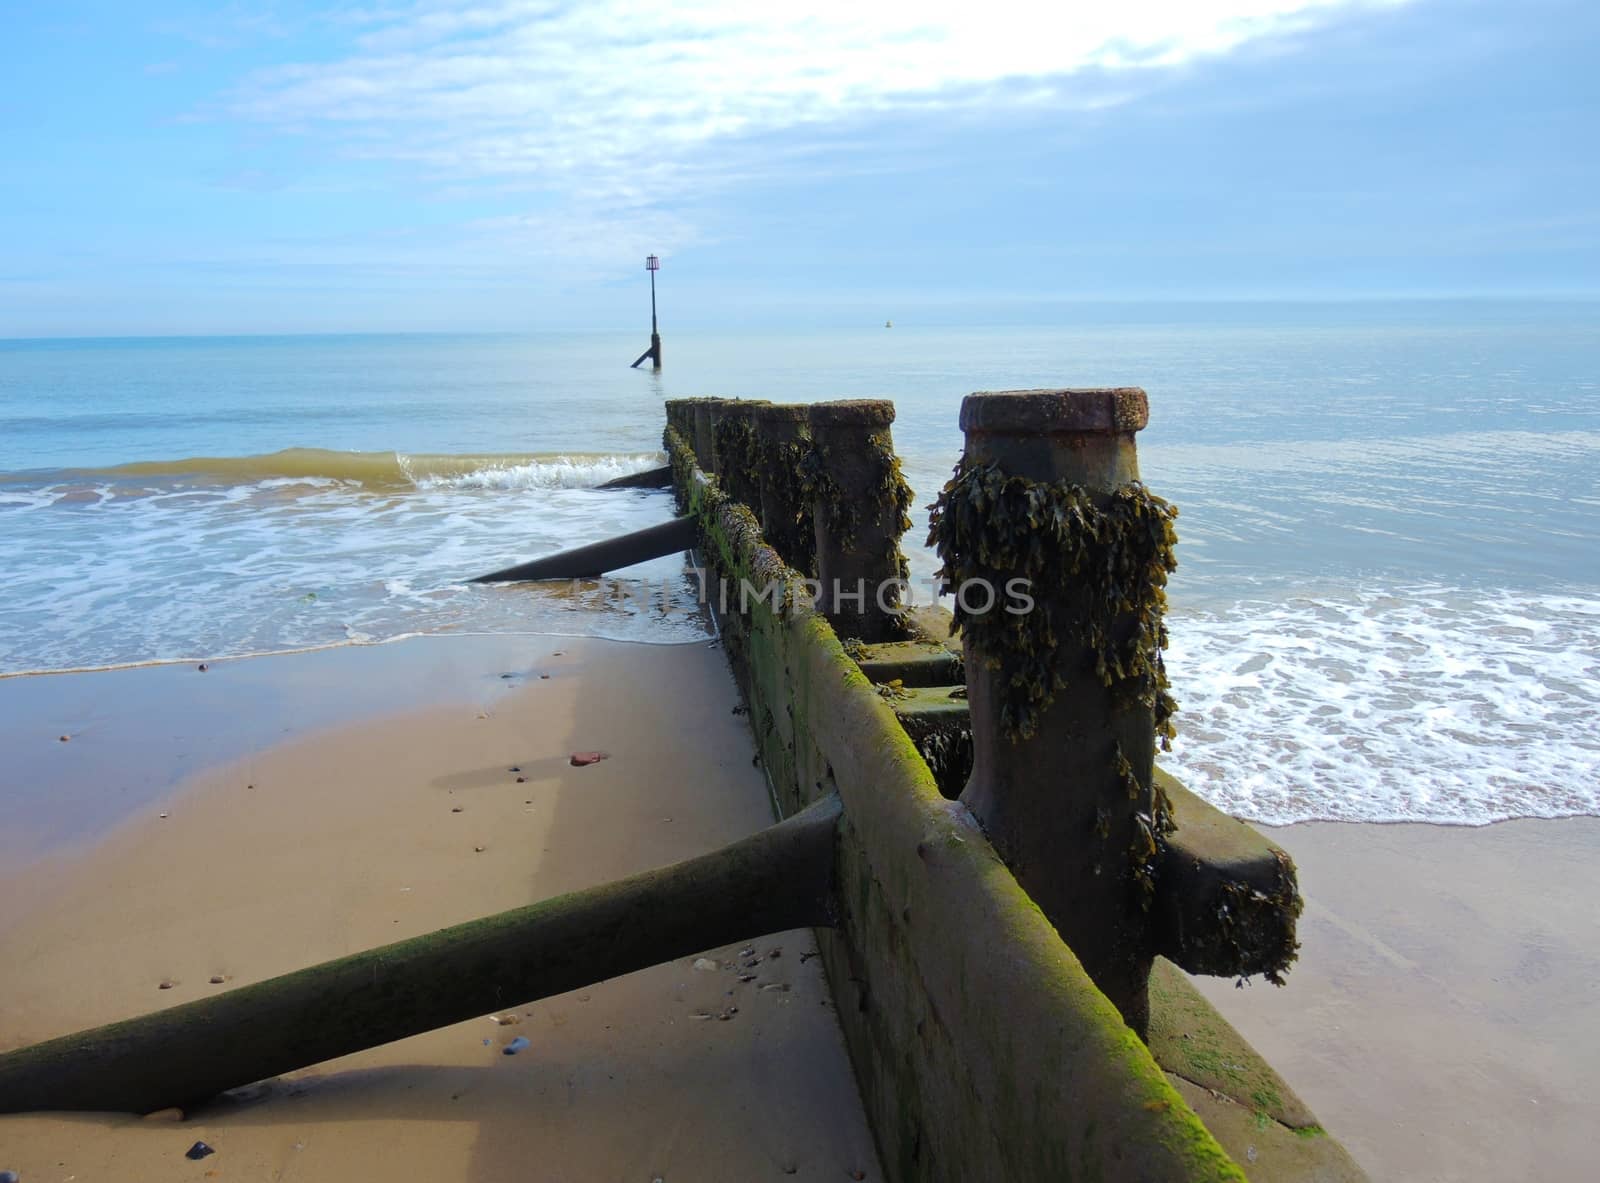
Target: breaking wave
{"points": [[394, 470]]}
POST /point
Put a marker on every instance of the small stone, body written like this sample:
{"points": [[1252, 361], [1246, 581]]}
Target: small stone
{"points": [[774, 953], [515, 768], [747, 977], [508, 675], [65, 738], [479, 849], [544, 677], [166, 984], [217, 979], [519, 1044], [171, 1113], [198, 1150], [506, 1020], [202, 667], [455, 809], [163, 815], [728, 1014], [705, 963], [584, 759], [522, 780]]}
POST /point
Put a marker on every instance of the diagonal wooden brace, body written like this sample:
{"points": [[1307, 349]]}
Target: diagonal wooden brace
{"points": [[587, 562], [778, 879]]}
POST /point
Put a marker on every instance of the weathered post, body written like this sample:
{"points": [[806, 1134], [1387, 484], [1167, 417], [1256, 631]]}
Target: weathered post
{"points": [[783, 441], [706, 413], [1067, 697], [680, 417], [652, 264], [860, 504], [735, 446]]}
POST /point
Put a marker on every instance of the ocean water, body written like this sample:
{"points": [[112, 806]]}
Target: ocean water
{"points": [[1388, 599]]}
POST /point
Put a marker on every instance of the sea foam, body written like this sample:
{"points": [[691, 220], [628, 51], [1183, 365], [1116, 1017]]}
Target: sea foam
{"points": [[1422, 703]]}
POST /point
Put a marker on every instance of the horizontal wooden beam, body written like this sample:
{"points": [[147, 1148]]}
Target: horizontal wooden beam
{"points": [[1228, 898]]}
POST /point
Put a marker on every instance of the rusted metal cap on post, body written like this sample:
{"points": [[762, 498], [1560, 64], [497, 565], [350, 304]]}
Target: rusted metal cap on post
{"points": [[1089, 410], [853, 412]]}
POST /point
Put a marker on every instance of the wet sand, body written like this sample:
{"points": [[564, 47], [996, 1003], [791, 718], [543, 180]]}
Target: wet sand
{"points": [[1442, 1021], [1444, 1017], [319, 804]]}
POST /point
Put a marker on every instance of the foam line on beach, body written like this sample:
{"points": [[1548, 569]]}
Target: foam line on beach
{"points": [[1426, 704]]}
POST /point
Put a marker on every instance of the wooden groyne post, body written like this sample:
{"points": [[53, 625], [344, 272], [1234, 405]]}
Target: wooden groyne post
{"points": [[1069, 701], [734, 445], [783, 442], [859, 507]]}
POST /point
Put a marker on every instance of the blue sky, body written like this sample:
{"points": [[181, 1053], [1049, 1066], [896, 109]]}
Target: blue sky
{"points": [[175, 167]]}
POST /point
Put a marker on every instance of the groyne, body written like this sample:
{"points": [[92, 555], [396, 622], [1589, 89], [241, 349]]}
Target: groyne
{"points": [[995, 799]]}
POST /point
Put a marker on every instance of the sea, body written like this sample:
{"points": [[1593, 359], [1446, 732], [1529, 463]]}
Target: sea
{"points": [[1387, 605]]}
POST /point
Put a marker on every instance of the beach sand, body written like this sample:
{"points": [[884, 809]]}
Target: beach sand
{"points": [[1442, 1020], [323, 803], [1444, 1017]]}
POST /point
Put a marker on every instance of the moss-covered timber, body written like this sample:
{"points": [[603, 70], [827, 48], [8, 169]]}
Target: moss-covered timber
{"points": [[982, 1049], [778, 879]]}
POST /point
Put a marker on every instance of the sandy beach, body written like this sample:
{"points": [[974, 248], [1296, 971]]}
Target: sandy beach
{"points": [[1443, 1017], [272, 812]]}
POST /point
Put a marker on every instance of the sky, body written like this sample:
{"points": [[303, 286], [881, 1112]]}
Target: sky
{"points": [[176, 167]]}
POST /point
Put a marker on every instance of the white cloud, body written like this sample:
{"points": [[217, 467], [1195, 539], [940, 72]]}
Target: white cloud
{"points": [[614, 104]]}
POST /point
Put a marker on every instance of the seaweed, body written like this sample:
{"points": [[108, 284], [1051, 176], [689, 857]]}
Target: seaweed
{"points": [[1111, 552]]}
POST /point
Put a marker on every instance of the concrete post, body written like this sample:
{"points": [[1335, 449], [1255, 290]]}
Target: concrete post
{"points": [[858, 524], [783, 439], [1058, 805]]}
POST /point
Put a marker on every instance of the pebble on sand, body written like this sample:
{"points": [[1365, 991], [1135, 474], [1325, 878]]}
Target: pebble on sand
{"points": [[198, 1150], [217, 979], [583, 759], [65, 738], [166, 984]]}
